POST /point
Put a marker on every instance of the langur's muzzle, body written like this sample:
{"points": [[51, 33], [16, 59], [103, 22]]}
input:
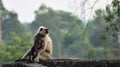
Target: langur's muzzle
{"points": [[46, 31]]}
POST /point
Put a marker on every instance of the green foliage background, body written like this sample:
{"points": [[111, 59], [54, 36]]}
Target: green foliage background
{"points": [[66, 31]]}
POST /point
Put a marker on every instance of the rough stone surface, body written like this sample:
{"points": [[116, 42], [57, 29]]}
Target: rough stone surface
{"points": [[65, 63], [19, 64]]}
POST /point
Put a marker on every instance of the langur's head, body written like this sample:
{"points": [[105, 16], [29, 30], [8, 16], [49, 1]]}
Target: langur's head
{"points": [[42, 30]]}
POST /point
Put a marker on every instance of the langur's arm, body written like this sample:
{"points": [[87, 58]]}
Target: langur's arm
{"points": [[51, 47], [48, 45], [44, 47]]}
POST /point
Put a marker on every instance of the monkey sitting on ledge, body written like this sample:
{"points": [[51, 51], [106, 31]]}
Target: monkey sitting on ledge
{"points": [[42, 48], [38, 45]]}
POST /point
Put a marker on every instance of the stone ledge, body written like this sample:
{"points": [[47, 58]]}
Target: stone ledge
{"points": [[65, 63]]}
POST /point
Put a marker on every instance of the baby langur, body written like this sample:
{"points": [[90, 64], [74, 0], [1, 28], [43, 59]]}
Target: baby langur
{"points": [[42, 48]]}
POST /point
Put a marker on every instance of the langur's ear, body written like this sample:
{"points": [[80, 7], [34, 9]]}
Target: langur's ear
{"points": [[41, 29]]}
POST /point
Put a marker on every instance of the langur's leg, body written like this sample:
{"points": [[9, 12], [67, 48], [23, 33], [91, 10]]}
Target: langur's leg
{"points": [[37, 58], [44, 56], [34, 55]]}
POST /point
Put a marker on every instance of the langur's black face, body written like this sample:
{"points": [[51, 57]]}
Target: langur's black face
{"points": [[46, 31], [43, 30]]}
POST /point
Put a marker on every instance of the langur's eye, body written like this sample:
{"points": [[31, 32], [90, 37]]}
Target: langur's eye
{"points": [[41, 29]]}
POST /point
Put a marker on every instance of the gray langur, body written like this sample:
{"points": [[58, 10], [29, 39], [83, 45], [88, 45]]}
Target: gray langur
{"points": [[42, 48]]}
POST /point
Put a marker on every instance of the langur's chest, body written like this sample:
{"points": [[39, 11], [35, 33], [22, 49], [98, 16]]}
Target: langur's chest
{"points": [[39, 44]]}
